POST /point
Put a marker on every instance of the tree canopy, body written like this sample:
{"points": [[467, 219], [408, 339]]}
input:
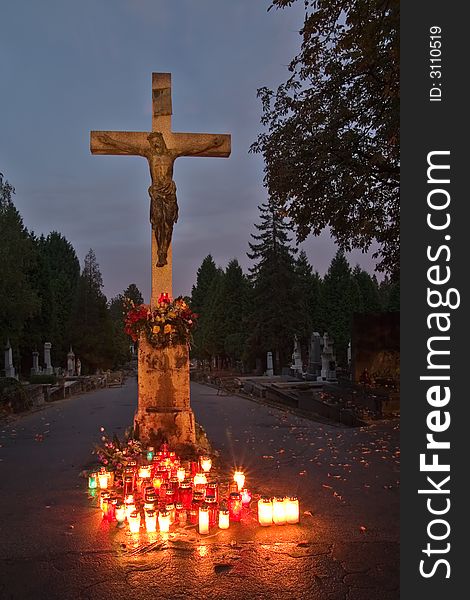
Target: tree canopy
{"points": [[331, 144]]}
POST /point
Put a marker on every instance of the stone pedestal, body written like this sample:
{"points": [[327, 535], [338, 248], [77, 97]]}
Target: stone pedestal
{"points": [[269, 364], [164, 411], [48, 370], [9, 368]]}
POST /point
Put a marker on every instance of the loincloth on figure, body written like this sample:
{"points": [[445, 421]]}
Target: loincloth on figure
{"points": [[163, 215]]}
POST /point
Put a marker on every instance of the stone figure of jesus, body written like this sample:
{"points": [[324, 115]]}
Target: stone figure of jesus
{"points": [[162, 192]]}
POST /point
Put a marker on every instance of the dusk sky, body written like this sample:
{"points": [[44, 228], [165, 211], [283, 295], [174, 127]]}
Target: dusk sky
{"points": [[68, 67]]}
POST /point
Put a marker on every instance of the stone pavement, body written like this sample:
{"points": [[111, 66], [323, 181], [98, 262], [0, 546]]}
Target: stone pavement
{"points": [[53, 543]]}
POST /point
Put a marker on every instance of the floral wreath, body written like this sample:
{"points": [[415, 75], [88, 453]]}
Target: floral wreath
{"points": [[170, 323]]}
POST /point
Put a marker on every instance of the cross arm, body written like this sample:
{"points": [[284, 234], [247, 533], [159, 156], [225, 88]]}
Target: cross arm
{"points": [[201, 144], [132, 143]]}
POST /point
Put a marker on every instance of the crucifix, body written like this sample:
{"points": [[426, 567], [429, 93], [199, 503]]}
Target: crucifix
{"points": [[161, 147]]}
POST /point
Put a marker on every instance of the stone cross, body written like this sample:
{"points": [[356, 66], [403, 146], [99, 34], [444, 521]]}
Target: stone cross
{"points": [[161, 147]]}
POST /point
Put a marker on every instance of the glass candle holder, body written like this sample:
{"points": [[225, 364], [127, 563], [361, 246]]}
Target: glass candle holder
{"points": [[112, 508], [104, 496], [200, 481], [265, 511], [164, 521], [203, 520], [292, 509], [130, 508], [128, 484], [104, 507], [194, 512], [103, 479], [206, 463], [93, 481], [150, 453], [239, 478], [134, 521], [185, 494], [279, 511], [213, 508], [157, 480], [181, 474], [212, 490], [120, 514], [235, 507], [246, 497], [169, 496], [194, 468], [150, 521], [162, 491], [171, 510], [224, 519], [181, 514]]}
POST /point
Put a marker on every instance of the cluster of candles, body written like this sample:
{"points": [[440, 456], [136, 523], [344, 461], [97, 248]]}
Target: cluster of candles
{"points": [[161, 491]]}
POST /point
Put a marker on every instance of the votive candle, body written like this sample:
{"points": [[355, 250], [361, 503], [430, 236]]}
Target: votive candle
{"points": [[203, 520], [151, 521], [279, 511], [164, 521], [134, 521], [265, 511], [206, 463], [224, 519], [292, 509], [246, 497], [239, 478]]}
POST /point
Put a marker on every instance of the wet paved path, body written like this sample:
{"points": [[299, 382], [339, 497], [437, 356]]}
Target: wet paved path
{"points": [[54, 545]]}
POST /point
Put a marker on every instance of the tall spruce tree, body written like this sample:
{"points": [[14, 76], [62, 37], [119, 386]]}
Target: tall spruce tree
{"points": [[275, 306], [209, 340], [340, 299], [18, 298], [235, 304], [200, 299], [307, 290], [370, 299], [93, 328]]}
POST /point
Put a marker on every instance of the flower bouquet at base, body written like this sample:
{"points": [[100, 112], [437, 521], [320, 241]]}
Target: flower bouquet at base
{"points": [[170, 323]]}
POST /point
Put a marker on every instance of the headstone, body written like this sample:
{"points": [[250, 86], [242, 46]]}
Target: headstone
{"points": [[78, 367], [35, 370], [163, 373], [269, 364], [71, 363], [328, 360], [48, 370], [314, 355], [9, 368], [296, 365]]}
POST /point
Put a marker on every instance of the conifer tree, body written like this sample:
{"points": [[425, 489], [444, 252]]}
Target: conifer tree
{"points": [[275, 307], [370, 299], [93, 328], [18, 298], [340, 299]]}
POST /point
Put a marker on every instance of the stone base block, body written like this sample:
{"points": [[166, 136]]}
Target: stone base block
{"points": [[177, 427]]}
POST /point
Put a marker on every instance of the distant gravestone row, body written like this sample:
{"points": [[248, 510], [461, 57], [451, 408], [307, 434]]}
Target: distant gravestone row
{"points": [[74, 366]]}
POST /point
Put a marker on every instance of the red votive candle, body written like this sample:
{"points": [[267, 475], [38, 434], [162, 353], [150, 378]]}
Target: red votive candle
{"points": [[235, 506], [185, 494]]}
